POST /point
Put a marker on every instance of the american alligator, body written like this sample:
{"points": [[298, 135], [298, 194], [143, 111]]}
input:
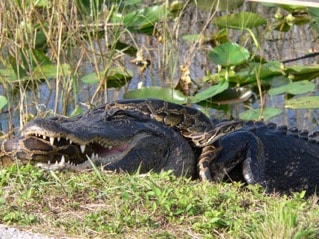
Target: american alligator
{"points": [[156, 135], [95, 127], [118, 142]]}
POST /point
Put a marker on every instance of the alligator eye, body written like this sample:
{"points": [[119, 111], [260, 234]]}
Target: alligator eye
{"points": [[114, 113]]}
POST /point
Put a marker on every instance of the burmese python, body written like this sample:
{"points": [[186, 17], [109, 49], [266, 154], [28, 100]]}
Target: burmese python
{"points": [[190, 122]]}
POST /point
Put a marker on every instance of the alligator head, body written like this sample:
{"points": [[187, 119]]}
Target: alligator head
{"points": [[117, 141]]}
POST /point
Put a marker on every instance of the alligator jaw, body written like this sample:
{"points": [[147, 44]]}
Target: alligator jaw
{"points": [[100, 152]]}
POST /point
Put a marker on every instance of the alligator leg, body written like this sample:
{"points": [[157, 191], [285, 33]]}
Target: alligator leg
{"points": [[240, 147]]}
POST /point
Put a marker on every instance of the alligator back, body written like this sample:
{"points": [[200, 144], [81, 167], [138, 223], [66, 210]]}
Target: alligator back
{"points": [[282, 160], [292, 158]]}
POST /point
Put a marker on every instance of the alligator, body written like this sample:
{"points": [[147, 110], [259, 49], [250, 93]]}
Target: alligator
{"points": [[144, 135], [118, 142]]}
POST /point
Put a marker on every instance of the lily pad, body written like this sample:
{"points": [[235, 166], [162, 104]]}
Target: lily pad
{"points": [[3, 101], [116, 77], [302, 72], [225, 5], [241, 20], [167, 94], [8, 74], [306, 102], [294, 88], [50, 71], [229, 54], [143, 20], [210, 92], [254, 114]]}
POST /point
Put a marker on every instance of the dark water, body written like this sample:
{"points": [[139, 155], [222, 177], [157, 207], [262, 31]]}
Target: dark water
{"points": [[166, 58]]}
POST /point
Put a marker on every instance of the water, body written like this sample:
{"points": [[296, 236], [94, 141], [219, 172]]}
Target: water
{"points": [[166, 58]]}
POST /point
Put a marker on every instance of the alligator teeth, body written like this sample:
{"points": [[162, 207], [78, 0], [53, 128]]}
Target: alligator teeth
{"points": [[52, 140], [82, 147], [70, 141], [110, 147], [58, 139], [94, 156], [62, 162]]}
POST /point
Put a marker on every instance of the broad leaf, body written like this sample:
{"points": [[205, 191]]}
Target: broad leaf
{"points": [[306, 102], [241, 20], [3, 101], [255, 114], [229, 54], [224, 5], [167, 94], [143, 20], [116, 77], [8, 74], [302, 72], [294, 88], [50, 71], [210, 92]]}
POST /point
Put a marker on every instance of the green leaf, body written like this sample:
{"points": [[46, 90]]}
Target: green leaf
{"points": [[224, 5], [91, 78], [39, 58], [266, 72], [77, 111], [143, 20], [241, 20], [50, 71], [302, 72], [277, 81], [116, 77], [3, 101], [229, 54], [210, 92], [167, 94], [306, 102], [254, 114], [302, 69], [8, 74], [19, 71], [192, 38], [314, 13], [269, 69], [294, 88]]}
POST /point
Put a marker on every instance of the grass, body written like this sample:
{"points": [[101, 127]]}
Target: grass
{"points": [[101, 205]]}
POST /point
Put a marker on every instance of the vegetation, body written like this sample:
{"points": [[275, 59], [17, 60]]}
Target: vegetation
{"points": [[66, 56], [100, 205], [62, 57]]}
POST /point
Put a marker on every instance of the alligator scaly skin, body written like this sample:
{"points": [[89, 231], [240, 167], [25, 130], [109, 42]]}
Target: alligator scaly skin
{"points": [[280, 159], [119, 142], [191, 123]]}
